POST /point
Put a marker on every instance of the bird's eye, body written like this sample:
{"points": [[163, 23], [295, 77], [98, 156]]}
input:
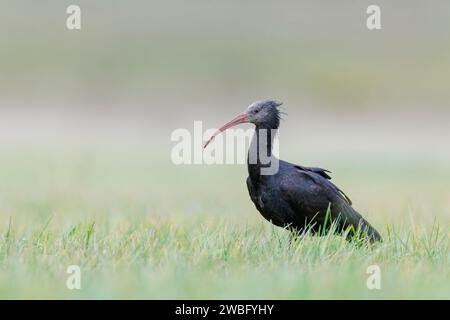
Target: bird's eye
{"points": [[255, 111]]}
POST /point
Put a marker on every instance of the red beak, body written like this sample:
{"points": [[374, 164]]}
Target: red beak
{"points": [[242, 118]]}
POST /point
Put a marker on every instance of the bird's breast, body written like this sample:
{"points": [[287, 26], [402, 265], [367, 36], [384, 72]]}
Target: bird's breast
{"points": [[268, 201], [261, 202]]}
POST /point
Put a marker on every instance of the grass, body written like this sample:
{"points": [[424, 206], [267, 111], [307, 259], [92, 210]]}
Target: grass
{"points": [[143, 230]]}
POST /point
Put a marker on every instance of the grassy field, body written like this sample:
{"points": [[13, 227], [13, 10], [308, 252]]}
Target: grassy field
{"points": [[372, 106], [140, 228]]}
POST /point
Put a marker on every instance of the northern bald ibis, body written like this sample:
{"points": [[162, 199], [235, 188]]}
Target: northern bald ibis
{"points": [[294, 197]]}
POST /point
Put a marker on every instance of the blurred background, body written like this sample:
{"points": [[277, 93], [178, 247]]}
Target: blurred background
{"points": [[139, 69], [365, 104], [356, 99], [86, 115]]}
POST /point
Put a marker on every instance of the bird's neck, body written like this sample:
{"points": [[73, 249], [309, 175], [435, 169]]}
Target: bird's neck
{"points": [[260, 155]]}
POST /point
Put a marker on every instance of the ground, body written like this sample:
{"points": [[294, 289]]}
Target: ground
{"points": [[141, 227], [86, 118]]}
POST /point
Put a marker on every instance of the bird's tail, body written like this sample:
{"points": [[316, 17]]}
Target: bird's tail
{"points": [[359, 225]]}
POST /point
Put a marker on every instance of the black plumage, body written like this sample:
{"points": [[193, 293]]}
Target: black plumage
{"points": [[294, 197]]}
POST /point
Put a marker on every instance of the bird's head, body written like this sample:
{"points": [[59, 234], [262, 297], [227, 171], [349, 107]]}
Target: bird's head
{"points": [[263, 114]]}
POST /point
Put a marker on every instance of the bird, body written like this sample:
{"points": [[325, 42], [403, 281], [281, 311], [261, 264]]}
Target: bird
{"points": [[298, 198]]}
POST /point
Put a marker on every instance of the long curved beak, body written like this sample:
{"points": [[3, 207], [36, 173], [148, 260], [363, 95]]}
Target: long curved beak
{"points": [[242, 118]]}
